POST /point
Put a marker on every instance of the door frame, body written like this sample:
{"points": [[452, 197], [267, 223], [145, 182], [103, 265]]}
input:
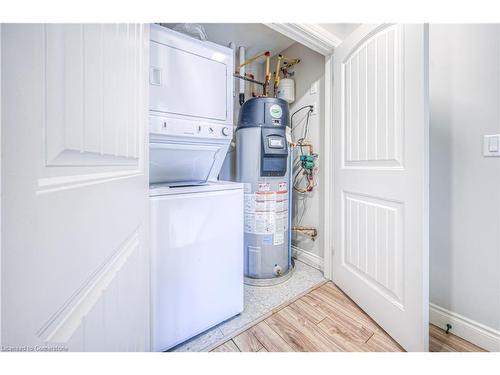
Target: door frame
{"points": [[1, 197], [323, 42]]}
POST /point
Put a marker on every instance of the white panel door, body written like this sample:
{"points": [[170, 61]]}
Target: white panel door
{"points": [[75, 263], [381, 177]]}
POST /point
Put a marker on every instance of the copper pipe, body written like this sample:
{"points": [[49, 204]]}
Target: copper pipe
{"points": [[268, 74], [305, 144], [308, 231], [252, 59], [252, 84], [277, 75], [248, 79]]}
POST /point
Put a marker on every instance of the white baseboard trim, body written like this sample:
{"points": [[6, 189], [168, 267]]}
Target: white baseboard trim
{"points": [[307, 257], [468, 329]]}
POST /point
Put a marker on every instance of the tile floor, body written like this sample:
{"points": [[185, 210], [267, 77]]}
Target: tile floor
{"points": [[258, 302]]}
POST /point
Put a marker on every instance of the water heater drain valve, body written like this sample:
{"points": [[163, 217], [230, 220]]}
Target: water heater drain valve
{"points": [[277, 270]]}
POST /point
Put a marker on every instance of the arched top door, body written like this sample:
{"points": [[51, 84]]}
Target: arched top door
{"points": [[381, 177]]}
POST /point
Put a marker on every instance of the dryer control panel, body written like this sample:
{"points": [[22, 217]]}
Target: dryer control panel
{"points": [[167, 126]]}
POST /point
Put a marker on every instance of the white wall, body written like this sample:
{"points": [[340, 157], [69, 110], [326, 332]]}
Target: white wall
{"points": [[307, 209], [465, 186]]}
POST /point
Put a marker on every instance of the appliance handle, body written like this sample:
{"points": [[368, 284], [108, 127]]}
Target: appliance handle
{"points": [[212, 150], [184, 146]]}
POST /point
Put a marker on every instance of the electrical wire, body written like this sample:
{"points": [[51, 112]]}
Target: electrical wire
{"points": [[311, 108], [302, 172]]}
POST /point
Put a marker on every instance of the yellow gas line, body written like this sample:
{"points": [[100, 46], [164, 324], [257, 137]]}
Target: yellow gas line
{"points": [[252, 59]]}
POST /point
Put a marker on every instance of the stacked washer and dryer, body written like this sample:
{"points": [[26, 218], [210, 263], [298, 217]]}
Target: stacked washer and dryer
{"points": [[196, 220]]}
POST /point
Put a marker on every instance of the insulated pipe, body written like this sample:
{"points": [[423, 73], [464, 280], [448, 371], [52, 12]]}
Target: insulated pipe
{"points": [[277, 74], [254, 58], [268, 73], [242, 73], [232, 45]]}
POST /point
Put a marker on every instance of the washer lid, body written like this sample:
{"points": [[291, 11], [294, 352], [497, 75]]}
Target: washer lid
{"points": [[167, 189], [186, 152]]}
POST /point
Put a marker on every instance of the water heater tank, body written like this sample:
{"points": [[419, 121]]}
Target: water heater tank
{"points": [[262, 159]]}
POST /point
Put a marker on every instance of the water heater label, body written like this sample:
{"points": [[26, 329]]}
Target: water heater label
{"points": [[275, 111], [266, 213], [264, 186], [282, 186]]}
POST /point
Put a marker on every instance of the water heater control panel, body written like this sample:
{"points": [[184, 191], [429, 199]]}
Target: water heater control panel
{"points": [[274, 152], [275, 142]]}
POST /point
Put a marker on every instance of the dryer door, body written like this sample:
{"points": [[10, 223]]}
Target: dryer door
{"points": [[183, 163], [185, 83]]}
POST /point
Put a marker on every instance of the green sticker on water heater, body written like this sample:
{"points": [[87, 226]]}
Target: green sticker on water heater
{"points": [[275, 111]]}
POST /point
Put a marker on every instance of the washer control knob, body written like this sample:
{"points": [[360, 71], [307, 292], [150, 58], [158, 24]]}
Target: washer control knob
{"points": [[225, 131]]}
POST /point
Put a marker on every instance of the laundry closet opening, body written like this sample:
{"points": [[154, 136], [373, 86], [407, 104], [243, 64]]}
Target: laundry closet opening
{"points": [[237, 116]]}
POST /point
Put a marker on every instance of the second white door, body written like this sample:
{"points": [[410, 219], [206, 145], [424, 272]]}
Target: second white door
{"points": [[75, 257], [381, 177]]}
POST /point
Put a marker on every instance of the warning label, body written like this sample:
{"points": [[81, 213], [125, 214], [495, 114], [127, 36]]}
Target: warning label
{"points": [[266, 212], [282, 186], [264, 186]]}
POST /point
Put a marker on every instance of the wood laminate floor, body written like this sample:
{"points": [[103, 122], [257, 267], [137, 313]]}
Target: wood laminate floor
{"points": [[440, 341], [326, 320]]}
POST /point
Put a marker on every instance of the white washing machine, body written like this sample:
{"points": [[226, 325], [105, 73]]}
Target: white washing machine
{"points": [[197, 259], [196, 221]]}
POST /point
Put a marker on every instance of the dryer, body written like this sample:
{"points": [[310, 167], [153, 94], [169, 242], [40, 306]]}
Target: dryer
{"points": [[190, 79]]}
